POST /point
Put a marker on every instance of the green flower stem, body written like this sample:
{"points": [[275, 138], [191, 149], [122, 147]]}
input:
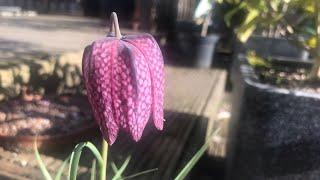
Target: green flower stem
{"points": [[103, 173]]}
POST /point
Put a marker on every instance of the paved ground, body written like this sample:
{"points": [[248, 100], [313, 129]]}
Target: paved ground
{"points": [[53, 34]]}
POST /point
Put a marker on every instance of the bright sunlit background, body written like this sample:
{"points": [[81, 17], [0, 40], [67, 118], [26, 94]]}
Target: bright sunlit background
{"points": [[248, 68]]}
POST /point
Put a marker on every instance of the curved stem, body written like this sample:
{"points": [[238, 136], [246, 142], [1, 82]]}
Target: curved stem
{"points": [[114, 25], [103, 173]]}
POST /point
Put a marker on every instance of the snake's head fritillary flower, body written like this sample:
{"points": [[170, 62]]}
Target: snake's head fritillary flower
{"points": [[124, 79]]}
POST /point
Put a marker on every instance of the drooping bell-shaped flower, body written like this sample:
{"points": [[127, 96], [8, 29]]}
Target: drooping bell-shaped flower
{"points": [[124, 78]]}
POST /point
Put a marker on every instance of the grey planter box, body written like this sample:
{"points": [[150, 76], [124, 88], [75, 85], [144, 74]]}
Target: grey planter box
{"points": [[274, 132], [278, 48]]}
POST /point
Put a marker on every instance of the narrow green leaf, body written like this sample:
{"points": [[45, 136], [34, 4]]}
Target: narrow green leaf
{"points": [[74, 161], [114, 168], [95, 152], [75, 158], [43, 168], [140, 173], [60, 170], [230, 14], [122, 168], [249, 25], [245, 31], [244, 34], [252, 14], [257, 61], [93, 170], [184, 172]]}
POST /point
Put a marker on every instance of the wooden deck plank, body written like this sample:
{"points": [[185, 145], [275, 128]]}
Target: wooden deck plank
{"points": [[207, 123]]}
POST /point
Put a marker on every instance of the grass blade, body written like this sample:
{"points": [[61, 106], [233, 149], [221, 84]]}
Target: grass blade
{"points": [[75, 158], [93, 170], [95, 151], [114, 168], [43, 168], [140, 173], [121, 170], [62, 167], [184, 172], [74, 161]]}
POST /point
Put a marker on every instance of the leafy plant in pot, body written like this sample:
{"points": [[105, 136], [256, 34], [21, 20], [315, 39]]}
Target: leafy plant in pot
{"points": [[275, 115]]}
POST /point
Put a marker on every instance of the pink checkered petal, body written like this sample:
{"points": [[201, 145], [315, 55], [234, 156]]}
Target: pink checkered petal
{"points": [[152, 53], [124, 93], [86, 71], [98, 80], [124, 79], [142, 87]]}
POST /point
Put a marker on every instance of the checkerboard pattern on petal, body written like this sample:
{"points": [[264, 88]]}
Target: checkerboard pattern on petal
{"points": [[124, 79]]}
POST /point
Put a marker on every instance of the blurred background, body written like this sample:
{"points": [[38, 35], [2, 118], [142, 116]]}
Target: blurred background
{"points": [[248, 68]]}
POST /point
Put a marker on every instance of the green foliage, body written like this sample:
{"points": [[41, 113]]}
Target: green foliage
{"points": [[193, 161], [42, 166], [297, 20], [61, 169], [265, 14], [229, 15], [257, 61], [74, 159], [232, 11], [121, 170], [140, 174], [93, 170], [306, 5]]}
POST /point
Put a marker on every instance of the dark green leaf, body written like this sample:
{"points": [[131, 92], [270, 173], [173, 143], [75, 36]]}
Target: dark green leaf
{"points": [[185, 171]]}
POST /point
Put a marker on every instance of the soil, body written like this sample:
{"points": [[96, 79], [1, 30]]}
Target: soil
{"points": [[292, 78], [49, 116]]}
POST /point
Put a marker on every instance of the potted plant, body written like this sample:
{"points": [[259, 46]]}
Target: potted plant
{"points": [[194, 35], [274, 132]]}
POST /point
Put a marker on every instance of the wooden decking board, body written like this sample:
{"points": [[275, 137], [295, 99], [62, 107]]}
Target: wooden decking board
{"points": [[187, 94], [173, 151], [178, 138], [170, 136], [152, 156], [175, 167]]}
